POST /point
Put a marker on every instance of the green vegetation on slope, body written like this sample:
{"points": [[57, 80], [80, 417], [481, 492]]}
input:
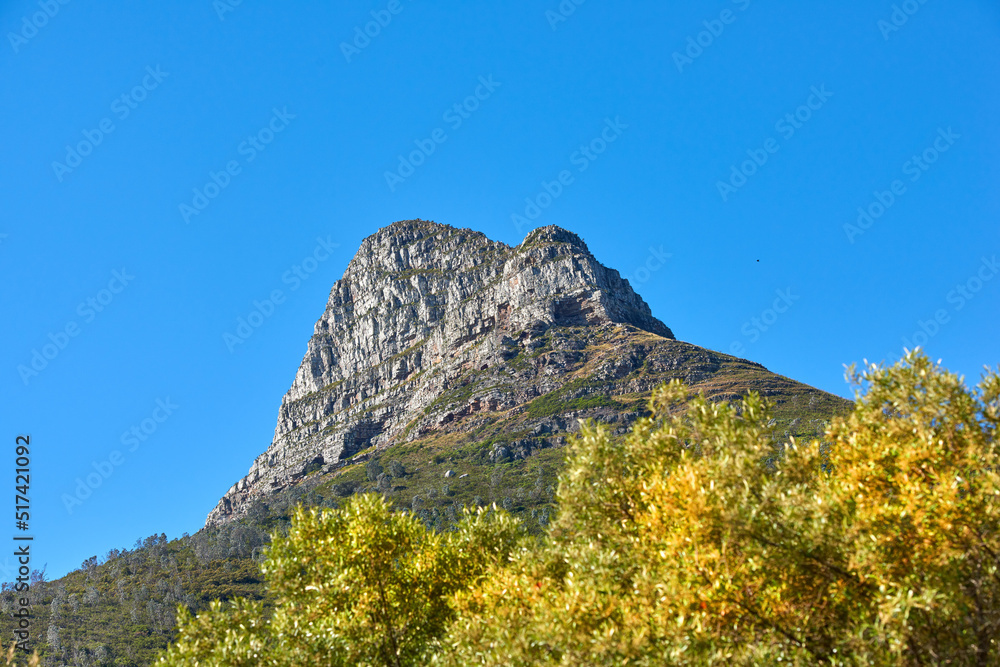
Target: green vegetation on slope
{"points": [[120, 610], [507, 457], [701, 538]]}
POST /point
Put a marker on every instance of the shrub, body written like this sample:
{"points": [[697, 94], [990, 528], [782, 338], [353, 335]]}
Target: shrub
{"points": [[693, 543], [700, 538], [359, 585]]}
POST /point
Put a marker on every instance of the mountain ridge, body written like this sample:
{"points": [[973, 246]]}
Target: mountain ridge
{"points": [[422, 308], [414, 388]]}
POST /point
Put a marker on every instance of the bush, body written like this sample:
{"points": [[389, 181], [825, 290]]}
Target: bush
{"points": [[693, 542], [359, 585], [700, 539]]}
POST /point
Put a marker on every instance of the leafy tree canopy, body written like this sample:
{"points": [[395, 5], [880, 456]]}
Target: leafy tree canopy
{"points": [[699, 538]]}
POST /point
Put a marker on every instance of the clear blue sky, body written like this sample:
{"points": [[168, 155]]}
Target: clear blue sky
{"points": [[203, 84]]}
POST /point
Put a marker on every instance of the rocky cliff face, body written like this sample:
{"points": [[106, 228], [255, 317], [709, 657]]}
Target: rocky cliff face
{"points": [[435, 330], [418, 305]]}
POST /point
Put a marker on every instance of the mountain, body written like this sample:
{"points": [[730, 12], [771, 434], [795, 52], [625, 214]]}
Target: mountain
{"points": [[446, 370], [485, 353]]}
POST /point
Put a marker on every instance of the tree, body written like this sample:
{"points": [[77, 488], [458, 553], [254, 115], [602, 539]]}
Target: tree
{"points": [[52, 637], [359, 585], [236, 636], [700, 540]]}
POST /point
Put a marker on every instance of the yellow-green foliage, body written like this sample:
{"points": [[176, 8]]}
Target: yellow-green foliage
{"points": [[360, 585], [696, 542], [698, 539], [10, 657]]}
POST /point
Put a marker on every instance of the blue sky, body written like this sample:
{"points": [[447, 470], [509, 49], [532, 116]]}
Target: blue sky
{"points": [[166, 165]]}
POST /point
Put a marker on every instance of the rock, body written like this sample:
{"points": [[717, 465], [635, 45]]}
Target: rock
{"points": [[435, 331], [500, 454], [419, 304], [449, 473]]}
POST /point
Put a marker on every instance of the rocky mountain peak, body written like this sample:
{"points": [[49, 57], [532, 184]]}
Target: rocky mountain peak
{"points": [[419, 305], [554, 234]]}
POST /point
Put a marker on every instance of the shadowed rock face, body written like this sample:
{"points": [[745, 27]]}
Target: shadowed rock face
{"points": [[419, 305]]}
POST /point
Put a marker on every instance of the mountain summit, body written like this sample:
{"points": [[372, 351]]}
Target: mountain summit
{"points": [[435, 330]]}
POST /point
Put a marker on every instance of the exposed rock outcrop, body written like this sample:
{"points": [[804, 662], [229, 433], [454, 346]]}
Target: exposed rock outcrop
{"points": [[420, 303], [435, 330]]}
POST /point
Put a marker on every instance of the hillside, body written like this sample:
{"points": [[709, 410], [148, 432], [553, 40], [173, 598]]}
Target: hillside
{"points": [[439, 339], [446, 370]]}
